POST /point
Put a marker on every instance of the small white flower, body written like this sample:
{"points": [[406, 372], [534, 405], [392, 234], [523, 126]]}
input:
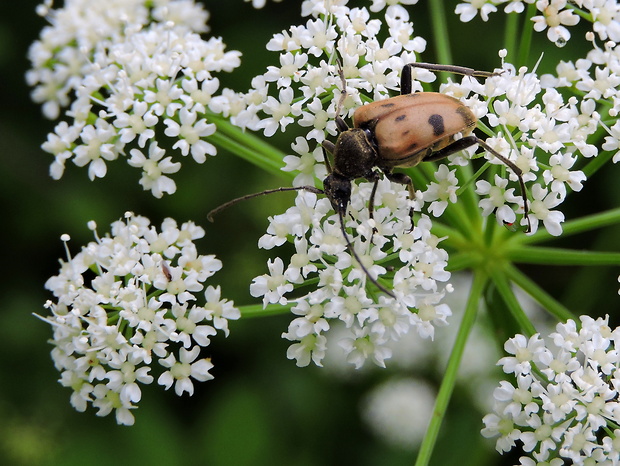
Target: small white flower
{"points": [[524, 351], [442, 192], [190, 132], [363, 345], [180, 371], [540, 209], [468, 11], [273, 286], [497, 198], [559, 175], [155, 167], [554, 16]]}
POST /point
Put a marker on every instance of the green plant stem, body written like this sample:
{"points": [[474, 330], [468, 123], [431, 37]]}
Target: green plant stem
{"points": [[510, 35], [462, 260], [449, 379], [572, 227], [257, 310], [503, 286], [538, 294], [469, 198], [441, 36], [559, 256], [248, 147], [598, 162], [526, 36], [452, 239]]}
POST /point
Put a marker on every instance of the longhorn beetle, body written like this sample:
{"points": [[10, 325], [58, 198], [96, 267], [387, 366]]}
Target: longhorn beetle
{"points": [[400, 131]]}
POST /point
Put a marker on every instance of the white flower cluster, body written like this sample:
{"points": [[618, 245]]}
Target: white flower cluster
{"points": [[123, 72], [555, 15], [538, 128], [341, 290], [127, 301], [541, 132], [564, 404]]}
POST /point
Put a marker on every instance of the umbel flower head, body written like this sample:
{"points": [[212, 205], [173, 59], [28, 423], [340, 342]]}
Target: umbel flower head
{"points": [[132, 302], [125, 74], [543, 132], [564, 403]]}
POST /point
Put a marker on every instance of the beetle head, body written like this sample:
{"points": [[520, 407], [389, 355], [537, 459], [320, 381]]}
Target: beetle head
{"points": [[338, 190]]}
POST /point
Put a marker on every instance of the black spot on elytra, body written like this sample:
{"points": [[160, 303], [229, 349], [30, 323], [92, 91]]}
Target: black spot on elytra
{"points": [[400, 117], [436, 121]]}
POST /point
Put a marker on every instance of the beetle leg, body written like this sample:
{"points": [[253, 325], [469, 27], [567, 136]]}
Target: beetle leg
{"points": [[469, 141], [405, 76], [371, 207], [405, 180], [375, 177], [341, 125], [328, 146], [456, 146]]}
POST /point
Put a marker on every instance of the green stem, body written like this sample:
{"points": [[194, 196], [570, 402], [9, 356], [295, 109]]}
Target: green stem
{"points": [[449, 379], [526, 36], [587, 16], [548, 302], [257, 310], [248, 146], [469, 198], [559, 256], [243, 136], [510, 35], [503, 286], [572, 227], [597, 162], [440, 35], [453, 239], [462, 260], [248, 154]]}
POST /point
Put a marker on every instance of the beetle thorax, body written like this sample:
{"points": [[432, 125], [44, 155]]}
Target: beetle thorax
{"points": [[354, 154]]}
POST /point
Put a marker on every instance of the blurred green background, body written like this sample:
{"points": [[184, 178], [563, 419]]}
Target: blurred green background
{"points": [[261, 408]]}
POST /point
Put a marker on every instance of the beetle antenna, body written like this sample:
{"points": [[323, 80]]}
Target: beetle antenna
{"points": [[463, 70], [357, 258], [517, 171], [228, 204]]}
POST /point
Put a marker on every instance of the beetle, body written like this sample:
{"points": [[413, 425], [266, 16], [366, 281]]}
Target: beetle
{"points": [[398, 132], [403, 131]]}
